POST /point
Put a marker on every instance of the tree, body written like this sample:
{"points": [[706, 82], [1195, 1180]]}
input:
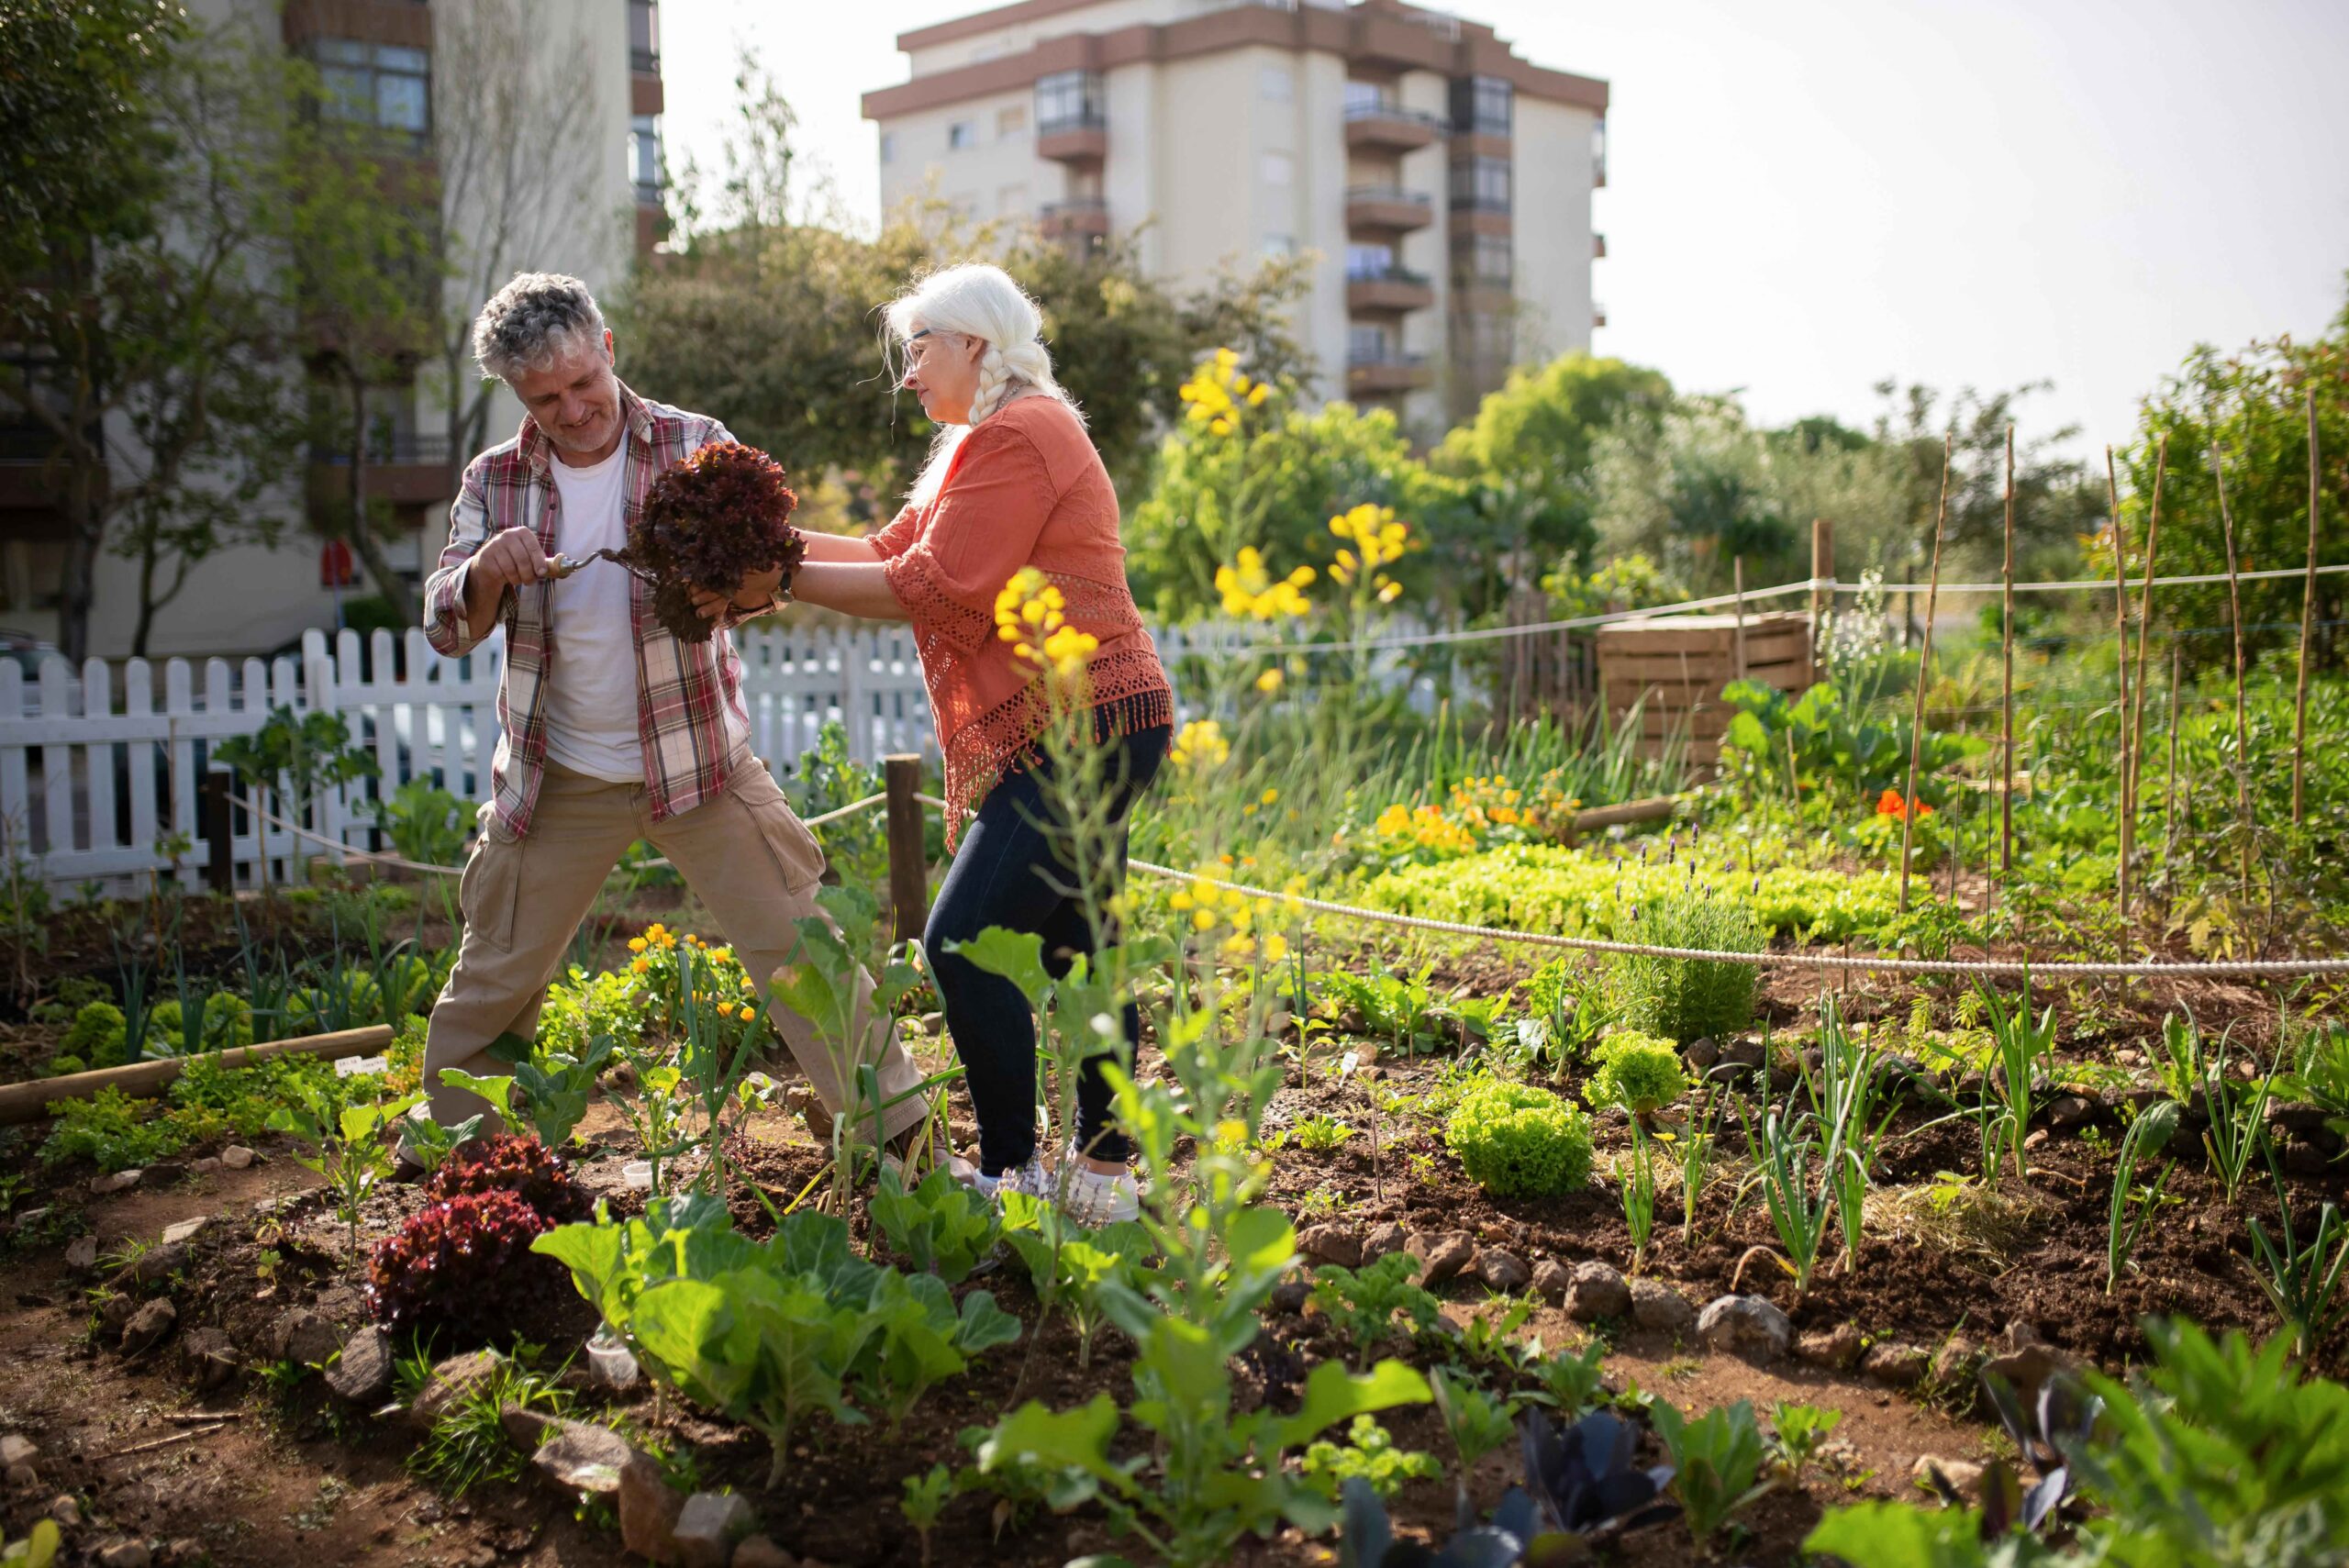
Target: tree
{"points": [[81, 155], [1533, 439], [2058, 497], [518, 166], [2254, 405], [153, 343]]}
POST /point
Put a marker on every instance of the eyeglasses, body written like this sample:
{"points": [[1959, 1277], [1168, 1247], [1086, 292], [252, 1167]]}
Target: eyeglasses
{"points": [[916, 349]]}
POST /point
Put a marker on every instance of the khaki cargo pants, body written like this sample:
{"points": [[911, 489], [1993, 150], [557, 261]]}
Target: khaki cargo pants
{"points": [[742, 852]]}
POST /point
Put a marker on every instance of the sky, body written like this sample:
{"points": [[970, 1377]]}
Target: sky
{"points": [[1807, 198]]}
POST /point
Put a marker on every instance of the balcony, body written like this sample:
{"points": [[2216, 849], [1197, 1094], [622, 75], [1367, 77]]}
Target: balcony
{"points": [[403, 469], [1387, 373], [644, 62], [1597, 314], [1078, 216], [1599, 247], [1389, 128], [1073, 138], [1388, 208], [1371, 290]]}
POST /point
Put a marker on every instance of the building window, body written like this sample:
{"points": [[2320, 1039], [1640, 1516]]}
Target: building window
{"points": [[1489, 259], [382, 86], [1011, 121], [1487, 335], [1280, 245], [644, 158], [1367, 98], [1070, 100], [1011, 201], [1276, 83], [1369, 261], [644, 37], [1598, 150], [1481, 104], [1366, 343], [961, 134], [1276, 169], [888, 146], [1481, 183]]}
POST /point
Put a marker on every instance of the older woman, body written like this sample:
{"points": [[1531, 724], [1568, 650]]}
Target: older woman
{"points": [[1013, 482]]}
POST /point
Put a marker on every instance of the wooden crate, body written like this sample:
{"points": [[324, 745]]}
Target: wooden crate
{"points": [[1676, 666]]}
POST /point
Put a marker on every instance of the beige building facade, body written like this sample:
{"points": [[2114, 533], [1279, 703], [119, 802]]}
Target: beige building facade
{"points": [[1443, 184], [583, 132]]}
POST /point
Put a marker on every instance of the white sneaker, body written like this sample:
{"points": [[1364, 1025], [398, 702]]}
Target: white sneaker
{"points": [[1096, 1198], [1031, 1178]]}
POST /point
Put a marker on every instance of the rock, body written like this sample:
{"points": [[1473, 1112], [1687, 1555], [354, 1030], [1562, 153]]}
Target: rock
{"points": [[1290, 1295], [65, 1511], [1953, 1362], [450, 1381], [1964, 1475], [1655, 1305], [1504, 1270], [648, 1511], [1383, 1240], [2036, 1137], [116, 1182], [525, 1429], [2306, 1122], [2306, 1160], [20, 1477], [154, 1266], [185, 1230], [578, 1456], [1331, 1244], [17, 1449], [363, 1372], [1892, 1361], [2028, 1367], [1839, 1348], [115, 1314], [1744, 1325], [236, 1157], [207, 1166], [2065, 1112], [82, 1254], [149, 1325], [208, 1357], [1596, 1290], [186, 1552], [1701, 1053], [125, 1554], [1441, 1255], [1739, 1055], [707, 1527], [761, 1552], [1551, 1279], [304, 1336]]}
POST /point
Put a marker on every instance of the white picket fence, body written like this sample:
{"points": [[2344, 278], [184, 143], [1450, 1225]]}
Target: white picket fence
{"points": [[100, 783]]}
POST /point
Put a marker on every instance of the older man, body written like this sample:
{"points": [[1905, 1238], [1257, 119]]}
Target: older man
{"points": [[612, 731]]}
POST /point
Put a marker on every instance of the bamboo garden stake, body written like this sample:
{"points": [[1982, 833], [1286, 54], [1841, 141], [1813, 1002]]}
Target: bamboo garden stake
{"points": [[2169, 780], [1924, 670], [2007, 679], [2121, 648], [2234, 613], [2133, 761], [2308, 615]]}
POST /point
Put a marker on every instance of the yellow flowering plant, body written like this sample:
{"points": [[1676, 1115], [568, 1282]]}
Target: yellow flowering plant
{"points": [[1250, 589], [1031, 613]]}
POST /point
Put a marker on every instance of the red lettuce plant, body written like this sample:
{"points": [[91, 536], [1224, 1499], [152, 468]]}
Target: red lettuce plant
{"points": [[710, 522], [464, 1266], [516, 1164]]}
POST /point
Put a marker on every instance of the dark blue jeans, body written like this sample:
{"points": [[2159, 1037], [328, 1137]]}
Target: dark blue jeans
{"points": [[1005, 873]]}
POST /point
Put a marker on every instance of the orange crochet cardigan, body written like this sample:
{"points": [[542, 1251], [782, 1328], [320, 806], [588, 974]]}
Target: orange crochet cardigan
{"points": [[1026, 488]]}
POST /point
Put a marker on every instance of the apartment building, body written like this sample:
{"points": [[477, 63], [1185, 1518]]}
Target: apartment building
{"points": [[402, 67], [1444, 182]]}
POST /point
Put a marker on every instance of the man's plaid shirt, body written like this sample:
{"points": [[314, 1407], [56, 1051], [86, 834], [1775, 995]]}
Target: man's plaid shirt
{"points": [[689, 712]]}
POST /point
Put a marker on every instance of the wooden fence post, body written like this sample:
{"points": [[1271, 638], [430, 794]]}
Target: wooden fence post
{"points": [[908, 864], [1822, 575], [220, 835]]}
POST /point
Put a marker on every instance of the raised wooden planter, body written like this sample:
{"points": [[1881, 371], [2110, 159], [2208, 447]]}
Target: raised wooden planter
{"points": [[1674, 667]]}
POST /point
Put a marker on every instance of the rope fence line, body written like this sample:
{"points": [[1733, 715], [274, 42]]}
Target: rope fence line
{"points": [[2147, 969], [1719, 600]]}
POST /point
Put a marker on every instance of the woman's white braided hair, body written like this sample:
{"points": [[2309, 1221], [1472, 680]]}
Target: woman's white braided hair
{"points": [[975, 300]]}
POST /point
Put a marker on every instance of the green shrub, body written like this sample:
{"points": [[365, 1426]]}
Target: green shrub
{"points": [[1638, 1072], [580, 1007], [1516, 1140], [97, 1035], [113, 1131], [1686, 999]]}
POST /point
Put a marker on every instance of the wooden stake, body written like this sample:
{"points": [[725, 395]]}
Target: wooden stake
{"points": [[2169, 780], [2135, 740], [2007, 679], [1737, 570], [1924, 673], [2243, 747], [909, 866], [2121, 650], [2307, 619], [1822, 576]]}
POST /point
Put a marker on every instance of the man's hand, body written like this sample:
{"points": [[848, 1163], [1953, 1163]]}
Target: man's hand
{"points": [[510, 559], [754, 592]]}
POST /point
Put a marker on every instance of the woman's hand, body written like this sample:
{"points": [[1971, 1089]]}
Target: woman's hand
{"points": [[754, 592]]}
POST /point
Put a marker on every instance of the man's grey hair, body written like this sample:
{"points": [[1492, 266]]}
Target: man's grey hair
{"points": [[534, 321]]}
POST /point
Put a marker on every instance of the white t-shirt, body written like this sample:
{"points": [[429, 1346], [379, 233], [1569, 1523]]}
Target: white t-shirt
{"points": [[591, 700]]}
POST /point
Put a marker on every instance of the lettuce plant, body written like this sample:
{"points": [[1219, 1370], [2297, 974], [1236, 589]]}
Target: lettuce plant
{"points": [[1516, 1140], [516, 1164], [1639, 1072], [709, 522], [464, 1266]]}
